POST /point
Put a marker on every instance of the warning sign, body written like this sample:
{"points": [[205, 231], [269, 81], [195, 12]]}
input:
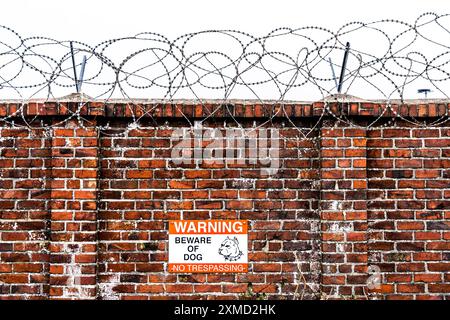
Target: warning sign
{"points": [[212, 246]]}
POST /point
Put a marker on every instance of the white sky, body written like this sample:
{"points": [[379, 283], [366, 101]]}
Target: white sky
{"points": [[94, 21]]}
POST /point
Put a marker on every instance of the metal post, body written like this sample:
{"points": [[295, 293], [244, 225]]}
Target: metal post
{"points": [[344, 66], [334, 74], [74, 67], [83, 65]]}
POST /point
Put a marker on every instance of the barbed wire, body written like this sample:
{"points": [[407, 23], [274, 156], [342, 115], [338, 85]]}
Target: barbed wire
{"points": [[388, 59]]}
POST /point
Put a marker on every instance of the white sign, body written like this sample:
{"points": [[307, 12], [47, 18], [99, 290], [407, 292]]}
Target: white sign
{"points": [[211, 246]]}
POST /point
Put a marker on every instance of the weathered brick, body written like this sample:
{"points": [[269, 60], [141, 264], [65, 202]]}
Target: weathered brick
{"points": [[84, 214]]}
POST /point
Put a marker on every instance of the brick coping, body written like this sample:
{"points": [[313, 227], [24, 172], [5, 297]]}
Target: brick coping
{"points": [[228, 109]]}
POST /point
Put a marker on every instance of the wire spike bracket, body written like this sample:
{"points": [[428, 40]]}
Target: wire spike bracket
{"points": [[333, 73], [83, 66], [424, 91], [78, 83], [344, 66]]}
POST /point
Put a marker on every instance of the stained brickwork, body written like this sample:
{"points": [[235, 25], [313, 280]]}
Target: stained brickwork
{"points": [[408, 170], [85, 203]]}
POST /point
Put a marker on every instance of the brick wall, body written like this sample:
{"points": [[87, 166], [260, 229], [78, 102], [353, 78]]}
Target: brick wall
{"points": [[408, 209], [85, 200]]}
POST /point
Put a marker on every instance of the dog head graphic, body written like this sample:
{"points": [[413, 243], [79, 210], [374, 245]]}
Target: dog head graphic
{"points": [[229, 249]]}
